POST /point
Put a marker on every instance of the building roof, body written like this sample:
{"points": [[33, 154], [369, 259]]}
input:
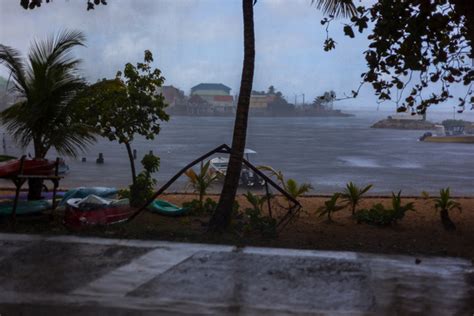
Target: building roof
{"points": [[211, 86]]}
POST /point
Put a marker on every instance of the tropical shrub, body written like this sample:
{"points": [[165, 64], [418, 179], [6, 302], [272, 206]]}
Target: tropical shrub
{"points": [[352, 195], [256, 221], [291, 186], [207, 207], [330, 206], [198, 207], [444, 204], [380, 216], [143, 188], [425, 195], [201, 181]]}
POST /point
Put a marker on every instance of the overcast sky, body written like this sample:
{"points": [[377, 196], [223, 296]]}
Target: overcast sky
{"points": [[197, 41]]}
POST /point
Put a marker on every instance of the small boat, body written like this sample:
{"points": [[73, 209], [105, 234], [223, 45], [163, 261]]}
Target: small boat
{"points": [[11, 168], [440, 136], [24, 207], [82, 192], [94, 210], [165, 208], [247, 176]]}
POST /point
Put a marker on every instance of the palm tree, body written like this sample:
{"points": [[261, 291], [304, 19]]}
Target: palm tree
{"points": [[45, 83], [330, 206], [222, 216], [201, 181], [445, 204], [353, 194]]}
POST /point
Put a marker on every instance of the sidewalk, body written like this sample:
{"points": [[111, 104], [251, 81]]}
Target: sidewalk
{"points": [[88, 276]]}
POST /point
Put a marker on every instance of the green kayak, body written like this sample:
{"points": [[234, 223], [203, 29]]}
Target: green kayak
{"points": [[24, 207], [165, 208]]}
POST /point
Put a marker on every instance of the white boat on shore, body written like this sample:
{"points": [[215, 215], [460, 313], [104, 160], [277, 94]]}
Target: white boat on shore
{"points": [[247, 176]]}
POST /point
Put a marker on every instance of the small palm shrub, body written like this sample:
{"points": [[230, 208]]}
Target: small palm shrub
{"points": [[294, 189], [297, 190], [425, 195], [256, 221], [330, 206], [201, 181], [444, 203], [380, 216], [197, 207], [352, 195], [398, 209]]}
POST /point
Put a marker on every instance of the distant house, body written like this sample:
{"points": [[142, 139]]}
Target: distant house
{"points": [[260, 100], [216, 94], [172, 95]]}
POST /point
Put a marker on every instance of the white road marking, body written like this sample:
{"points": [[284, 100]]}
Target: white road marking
{"points": [[128, 277]]}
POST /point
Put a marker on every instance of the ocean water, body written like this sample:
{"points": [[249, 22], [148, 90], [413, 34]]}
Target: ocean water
{"points": [[326, 152]]}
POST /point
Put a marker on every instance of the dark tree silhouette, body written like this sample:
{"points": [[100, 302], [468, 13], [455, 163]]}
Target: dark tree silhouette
{"points": [[416, 45]]}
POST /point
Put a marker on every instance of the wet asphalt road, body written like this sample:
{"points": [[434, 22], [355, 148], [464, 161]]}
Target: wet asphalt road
{"points": [[84, 276]]}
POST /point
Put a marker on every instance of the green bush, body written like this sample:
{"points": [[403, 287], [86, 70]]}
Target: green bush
{"points": [[206, 207], [143, 188], [255, 220], [198, 207], [380, 216]]}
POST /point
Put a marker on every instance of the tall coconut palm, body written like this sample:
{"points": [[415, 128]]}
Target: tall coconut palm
{"points": [[221, 217], [45, 83]]}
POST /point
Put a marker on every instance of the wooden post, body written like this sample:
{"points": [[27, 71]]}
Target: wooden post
{"points": [[18, 183], [55, 184], [268, 200]]}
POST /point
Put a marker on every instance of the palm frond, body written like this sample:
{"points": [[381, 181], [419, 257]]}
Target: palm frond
{"points": [[336, 8], [12, 60]]}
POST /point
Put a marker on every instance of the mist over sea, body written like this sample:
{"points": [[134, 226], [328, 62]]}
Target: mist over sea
{"points": [[327, 152]]}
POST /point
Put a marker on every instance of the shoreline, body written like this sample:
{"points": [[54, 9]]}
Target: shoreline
{"points": [[315, 195]]}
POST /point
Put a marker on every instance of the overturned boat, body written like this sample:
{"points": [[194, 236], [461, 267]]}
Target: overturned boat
{"points": [[94, 210], [12, 168]]}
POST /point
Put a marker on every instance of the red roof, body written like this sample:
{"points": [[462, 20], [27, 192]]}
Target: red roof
{"points": [[223, 98]]}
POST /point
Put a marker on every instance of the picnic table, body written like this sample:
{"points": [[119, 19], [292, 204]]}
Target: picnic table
{"points": [[20, 179]]}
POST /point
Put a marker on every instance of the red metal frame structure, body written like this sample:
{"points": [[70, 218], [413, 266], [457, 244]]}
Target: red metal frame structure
{"points": [[225, 149]]}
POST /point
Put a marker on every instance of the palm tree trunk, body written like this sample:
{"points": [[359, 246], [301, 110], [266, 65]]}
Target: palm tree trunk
{"points": [[35, 186], [446, 221], [222, 215], [132, 162]]}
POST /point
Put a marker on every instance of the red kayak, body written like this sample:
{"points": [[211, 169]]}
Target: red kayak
{"points": [[82, 214], [30, 167]]}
